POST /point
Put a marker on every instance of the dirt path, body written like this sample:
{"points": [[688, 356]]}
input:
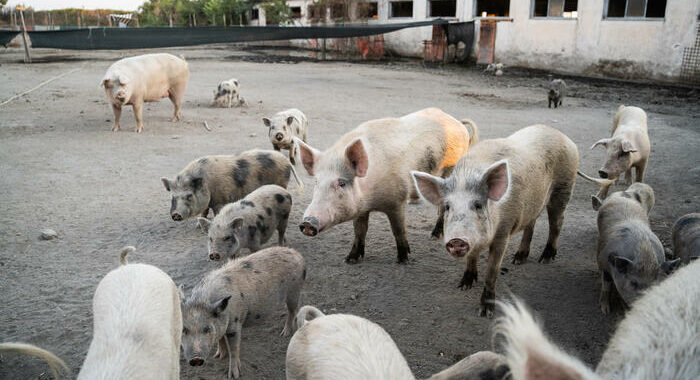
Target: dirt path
{"points": [[61, 167]]}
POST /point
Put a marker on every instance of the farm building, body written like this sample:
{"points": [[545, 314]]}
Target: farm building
{"points": [[634, 39]]}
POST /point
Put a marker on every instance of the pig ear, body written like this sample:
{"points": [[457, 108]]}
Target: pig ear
{"points": [[267, 122], [309, 156], [290, 120], [357, 158], [622, 264], [204, 224], [219, 306], [669, 266], [105, 82], [123, 79], [627, 146], [429, 186], [237, 223], [596, 202], [166, 183], [603, 142], [496, 178]]}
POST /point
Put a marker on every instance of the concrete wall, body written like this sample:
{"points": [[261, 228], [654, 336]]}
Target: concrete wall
{"points": [[593, 45]]}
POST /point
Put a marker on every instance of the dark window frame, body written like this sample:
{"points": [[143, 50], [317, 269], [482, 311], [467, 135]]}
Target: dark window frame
{"points": [[429, 12], [548, 8], [367, 5], [477, 11], [294, 15], [391, 11], [606, 8]]}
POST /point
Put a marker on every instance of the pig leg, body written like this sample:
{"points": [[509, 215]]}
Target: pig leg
{"points": [[470, 273], [117, 115], [291, 155], [639, 171], [175, 94], [398, 228], [234, 363], [292, 307], [281, 229], [439, 224], [550, 103], [524, 248], [138, 114], [358, 246], [555, 213], [628, 177], [223, 349], [496, 252], [605, 284]]}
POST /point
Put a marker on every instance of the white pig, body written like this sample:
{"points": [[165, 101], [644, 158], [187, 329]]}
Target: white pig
{"points": [[627, 148], [145, 78], [498, 188], [137, 325], [348, 347], [659, 338]]}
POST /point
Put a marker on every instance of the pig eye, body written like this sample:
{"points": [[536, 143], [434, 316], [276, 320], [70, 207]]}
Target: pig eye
{"points": [[206, 330], [189, 197], [634, 284], [478, 206], [622, 154], [447, 207], [341, 182], [227, 238]]}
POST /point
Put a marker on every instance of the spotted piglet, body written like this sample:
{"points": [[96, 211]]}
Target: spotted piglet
{"points": [[248, 223], [284, 127], [241, 290]]}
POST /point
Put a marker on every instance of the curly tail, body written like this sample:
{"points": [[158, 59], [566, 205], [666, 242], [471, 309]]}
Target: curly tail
{"points": [[473, 131], [57, 365], [122, 254], [304, 312]]}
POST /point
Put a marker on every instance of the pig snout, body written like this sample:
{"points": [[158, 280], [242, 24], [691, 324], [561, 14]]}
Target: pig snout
{"points": [[196, 362], [176, 217], [457, 247], [214, 256], [309, 227], [603, 173], [279, 136]]}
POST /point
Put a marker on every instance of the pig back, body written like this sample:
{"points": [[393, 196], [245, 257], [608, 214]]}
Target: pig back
{"points": [[152, 75]]}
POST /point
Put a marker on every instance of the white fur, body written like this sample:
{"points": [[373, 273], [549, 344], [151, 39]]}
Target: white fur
{"points": [[343, 347], [658, 339], [137, 326]]}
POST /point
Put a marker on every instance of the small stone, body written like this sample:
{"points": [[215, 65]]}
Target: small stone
{"points": [[175, 137], [253, 135], [48, 234], [353, 297]]}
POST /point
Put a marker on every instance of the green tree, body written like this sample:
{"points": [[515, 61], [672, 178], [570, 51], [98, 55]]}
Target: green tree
{"points": [[276, 12]]}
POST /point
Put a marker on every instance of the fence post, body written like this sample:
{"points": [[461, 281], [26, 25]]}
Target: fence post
{"points": [[27, 57]]}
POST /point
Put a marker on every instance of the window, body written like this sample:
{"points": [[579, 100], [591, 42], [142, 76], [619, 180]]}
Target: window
{"points": [[255, 14], [555, 8], [338, 11], [442, 8], [635, 8], [368, 10], [401, 9], [493, 8]]}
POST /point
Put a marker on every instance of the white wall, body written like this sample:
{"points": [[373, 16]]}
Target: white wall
{"points": [[593, 45]]}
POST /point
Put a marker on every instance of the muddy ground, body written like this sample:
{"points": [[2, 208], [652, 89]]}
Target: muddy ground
{"points": [[61, 167]]}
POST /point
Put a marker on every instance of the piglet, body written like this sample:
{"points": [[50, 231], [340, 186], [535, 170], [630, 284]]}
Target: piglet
{"points": [[240, 290], [630, 255], [145, 78], [284, 127], [686, 237], [248, 223], [228, 94], [556, 93]]}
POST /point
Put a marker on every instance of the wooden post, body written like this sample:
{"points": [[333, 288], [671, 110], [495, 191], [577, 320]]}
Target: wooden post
{"points": [[27, 57], [194, 17]]}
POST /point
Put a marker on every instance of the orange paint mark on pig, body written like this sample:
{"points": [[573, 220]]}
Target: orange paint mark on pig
{"points": [[456, 136]]}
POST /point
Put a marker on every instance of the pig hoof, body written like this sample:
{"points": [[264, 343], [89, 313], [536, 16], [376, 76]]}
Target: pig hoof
{"points": [[605, 308], [468, 279], [520, 257], [486, 311], [115, 128], [352, 260], [488, 299], [547, 255]]}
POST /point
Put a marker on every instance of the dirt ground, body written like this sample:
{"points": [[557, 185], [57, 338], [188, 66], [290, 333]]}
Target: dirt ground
{"points": [[61, 167]]}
